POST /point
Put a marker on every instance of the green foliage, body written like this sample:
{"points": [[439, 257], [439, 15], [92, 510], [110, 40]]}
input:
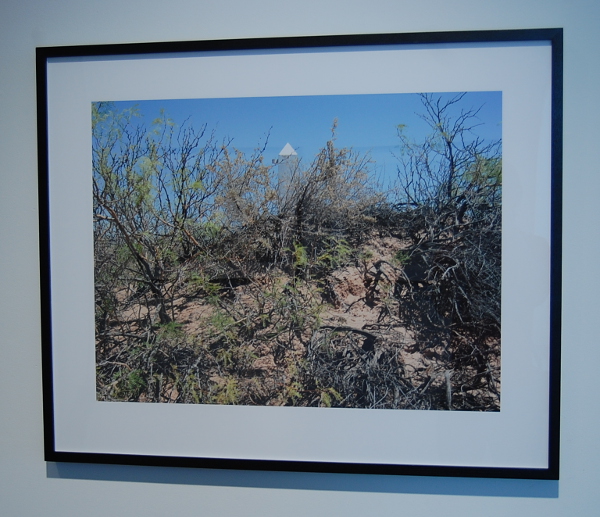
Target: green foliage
{"points": [[293, 392], [129, 385], [485, 172], [365, 256], [189, 389], [200, 282], [136, 381], [300, 256], [337, 252], [208, 231], [229, 393], [402, 258], [222, 326], [326, 397], [171, 330]]}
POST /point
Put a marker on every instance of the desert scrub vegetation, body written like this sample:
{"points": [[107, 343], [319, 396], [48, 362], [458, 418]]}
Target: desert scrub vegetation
{"points": [[219, 282]]}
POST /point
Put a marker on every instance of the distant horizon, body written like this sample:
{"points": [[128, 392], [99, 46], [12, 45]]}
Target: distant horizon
{"points": [[367, 123]]}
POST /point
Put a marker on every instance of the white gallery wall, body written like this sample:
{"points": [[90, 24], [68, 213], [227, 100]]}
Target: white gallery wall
{"points": [[31, 487]]}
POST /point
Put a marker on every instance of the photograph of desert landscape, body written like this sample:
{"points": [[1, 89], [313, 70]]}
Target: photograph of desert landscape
{"points": [[319, 251]]}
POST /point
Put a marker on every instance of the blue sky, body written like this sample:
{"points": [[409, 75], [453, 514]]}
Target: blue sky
{"points": [[367, 123]]}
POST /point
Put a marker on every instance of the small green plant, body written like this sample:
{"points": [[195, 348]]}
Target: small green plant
{"points": [[209, 231], [129, 385], [336, 254], [229, 393], [225, 356], [365, 256], [188, 388], [171, 330], [402, 258], [293, 392], [326, 397], [300, 256], [222, 325], [201, 283]]}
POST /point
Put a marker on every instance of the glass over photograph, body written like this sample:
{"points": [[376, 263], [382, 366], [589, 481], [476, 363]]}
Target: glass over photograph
{"points": [[318, 251]]}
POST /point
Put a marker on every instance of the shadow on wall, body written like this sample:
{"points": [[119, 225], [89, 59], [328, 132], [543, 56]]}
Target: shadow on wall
{"points": [[307, 481]]}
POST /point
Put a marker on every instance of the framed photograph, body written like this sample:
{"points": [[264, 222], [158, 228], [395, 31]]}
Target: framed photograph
{"points": [[330, 254]]}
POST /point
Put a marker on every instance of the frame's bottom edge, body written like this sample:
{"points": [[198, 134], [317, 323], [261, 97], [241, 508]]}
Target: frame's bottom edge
{"points": [[550, 473]]}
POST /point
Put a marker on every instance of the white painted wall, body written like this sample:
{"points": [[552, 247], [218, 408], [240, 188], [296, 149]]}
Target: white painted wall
{"points": [[30, 487]]}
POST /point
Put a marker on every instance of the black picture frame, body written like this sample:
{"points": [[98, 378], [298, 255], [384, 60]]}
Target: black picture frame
{"points": [[62, 73]]}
